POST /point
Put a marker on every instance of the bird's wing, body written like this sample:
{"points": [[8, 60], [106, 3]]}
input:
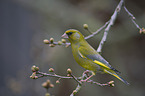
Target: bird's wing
{"points": [[95, 57]]}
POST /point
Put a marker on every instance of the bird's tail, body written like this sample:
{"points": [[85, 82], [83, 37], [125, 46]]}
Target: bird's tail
{"points": [[111, 72]]}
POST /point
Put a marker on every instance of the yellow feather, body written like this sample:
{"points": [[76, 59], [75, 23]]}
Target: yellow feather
{"points": [[101, 64]]}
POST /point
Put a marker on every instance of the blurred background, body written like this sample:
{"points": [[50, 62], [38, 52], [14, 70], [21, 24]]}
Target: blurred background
{"points": [[24, 24]]}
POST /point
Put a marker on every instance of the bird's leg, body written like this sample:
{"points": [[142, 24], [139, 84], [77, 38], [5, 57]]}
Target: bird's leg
{"points": [[87, 74], [87, 78]]}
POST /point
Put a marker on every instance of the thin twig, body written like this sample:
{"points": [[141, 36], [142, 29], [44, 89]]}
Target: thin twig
{"points": [[78, 88], [37, 74], [75, 78], [111, 22], [132, 18], [72, 77], [98, 31], [64, 44], [52, 75], [93, 82]]}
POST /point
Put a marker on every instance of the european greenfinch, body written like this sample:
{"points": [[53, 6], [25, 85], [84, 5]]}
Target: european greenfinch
{"points": [[87, 57]]}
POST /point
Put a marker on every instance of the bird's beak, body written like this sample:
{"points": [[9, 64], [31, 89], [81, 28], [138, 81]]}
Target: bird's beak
{"points": [[64, 35]]}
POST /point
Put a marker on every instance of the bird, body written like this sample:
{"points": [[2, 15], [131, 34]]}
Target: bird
{"points": [[87, 57]]}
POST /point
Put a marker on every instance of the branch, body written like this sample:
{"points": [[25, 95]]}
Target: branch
{"points": [[106, 84], [37, 74], [111, 22], [78, 88], [53, 44], [98, 31], [76, 79], [133, 19], [41, 74]]}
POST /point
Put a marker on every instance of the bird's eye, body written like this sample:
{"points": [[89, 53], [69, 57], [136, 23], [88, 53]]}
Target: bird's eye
{"points": [[69, 33]]}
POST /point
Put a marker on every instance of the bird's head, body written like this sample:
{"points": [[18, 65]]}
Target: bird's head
{"points": [[73, 35]]}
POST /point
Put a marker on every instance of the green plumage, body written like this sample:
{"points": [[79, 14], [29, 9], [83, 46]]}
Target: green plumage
{"points": [[87, 57]]}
